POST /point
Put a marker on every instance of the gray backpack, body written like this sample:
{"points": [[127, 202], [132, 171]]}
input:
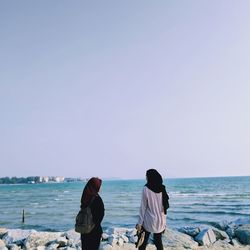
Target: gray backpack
{"points": [[84, 220]]}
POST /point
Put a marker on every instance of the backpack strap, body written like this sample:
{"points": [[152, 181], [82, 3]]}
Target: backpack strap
{"points": [[90, 203]]}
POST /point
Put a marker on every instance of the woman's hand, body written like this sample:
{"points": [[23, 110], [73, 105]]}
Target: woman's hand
{"points": [[138, 227]]}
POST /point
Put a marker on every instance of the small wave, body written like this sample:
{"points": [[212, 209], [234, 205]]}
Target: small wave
{"points": [[179, 219], [212, 212], [34, 203]]}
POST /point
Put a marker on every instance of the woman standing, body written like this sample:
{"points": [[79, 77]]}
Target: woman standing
{"points": [[90, 197], [153, 210]]}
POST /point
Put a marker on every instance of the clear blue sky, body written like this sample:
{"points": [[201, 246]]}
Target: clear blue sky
{"points": [[112, 88]]}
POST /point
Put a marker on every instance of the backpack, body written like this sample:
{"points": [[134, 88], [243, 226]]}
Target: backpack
{"points": [[84, 220]]}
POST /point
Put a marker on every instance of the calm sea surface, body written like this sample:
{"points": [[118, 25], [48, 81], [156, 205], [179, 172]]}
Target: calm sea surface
{"points": [[53, 206]]}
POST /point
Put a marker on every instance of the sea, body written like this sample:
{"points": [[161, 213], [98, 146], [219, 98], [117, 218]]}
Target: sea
{"points": [[193, 201]]}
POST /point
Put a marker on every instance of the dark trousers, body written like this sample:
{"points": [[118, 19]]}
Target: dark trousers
{"points": [[157, 241], [92, 240]]}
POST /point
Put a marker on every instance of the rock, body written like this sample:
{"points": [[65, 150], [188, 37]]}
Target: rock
{"points": [[231, 232], [125, 238], [53, 246], [105, 236], [191, 231], [41, 239], [243, 234], [240, 222], [4, 248], [131, 232], [222, 225], [112, 240], [62, 241], [133, 238], [16, 236], [2, 244], [235, 243], [119, 231], [79, 245], [73, 237], [3, 231], [205, 237], [177, 240], [120, 242], [13, 247], [40, 248], [105, 246], [222, 244], [67, 248], [220, 235]]}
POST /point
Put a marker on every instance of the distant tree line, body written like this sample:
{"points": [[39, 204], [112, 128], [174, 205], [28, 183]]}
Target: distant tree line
{"points": [[19, 180]]}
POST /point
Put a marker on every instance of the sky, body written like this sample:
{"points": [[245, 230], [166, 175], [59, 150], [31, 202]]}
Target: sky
{"points": [[113, 88]]}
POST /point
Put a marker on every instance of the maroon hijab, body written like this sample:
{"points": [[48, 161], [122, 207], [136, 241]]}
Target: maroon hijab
{"points": [[91, 189]]}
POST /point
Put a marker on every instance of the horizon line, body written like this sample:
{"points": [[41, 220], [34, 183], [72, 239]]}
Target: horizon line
{"points": [[121, 178]]}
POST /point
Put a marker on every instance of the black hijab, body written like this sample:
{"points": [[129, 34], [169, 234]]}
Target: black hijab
{"points": [[155, 184]]}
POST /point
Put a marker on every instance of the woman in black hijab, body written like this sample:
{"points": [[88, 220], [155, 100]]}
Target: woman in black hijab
{"points": [[153, 209]]}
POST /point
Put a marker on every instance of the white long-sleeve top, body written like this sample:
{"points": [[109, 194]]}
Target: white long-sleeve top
{"points": [[151, 215]]}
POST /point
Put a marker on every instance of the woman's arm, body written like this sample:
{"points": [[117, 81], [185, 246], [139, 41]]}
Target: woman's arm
{"points": [[97, 209], [144, 203]]}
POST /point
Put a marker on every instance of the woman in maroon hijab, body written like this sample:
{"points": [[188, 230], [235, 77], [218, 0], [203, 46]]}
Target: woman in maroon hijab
{"points": [[90, 197]]}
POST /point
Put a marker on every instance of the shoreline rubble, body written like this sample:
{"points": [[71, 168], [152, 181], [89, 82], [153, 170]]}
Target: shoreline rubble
{"points": [[233, 235]]}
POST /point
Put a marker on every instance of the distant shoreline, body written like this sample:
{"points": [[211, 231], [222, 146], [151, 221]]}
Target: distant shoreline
{"points": [[53, 179]]}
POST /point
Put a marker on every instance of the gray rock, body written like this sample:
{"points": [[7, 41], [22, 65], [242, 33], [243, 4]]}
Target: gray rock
{"points": [[112, 240], [13, 247], [40, 248], [41, 239], [67, 248], [191, 231], [119, 231], [2, 243], [240, 222], [133, 238], [235, 243], [105, 236], [62, 242], [120, 242], [3, 231], [178, 240], [53, 246], [4, 248], [131, 232], [222, 244], [125, 238], [231, 232], [78, 246], [206, 237], [220, 235], [105, 246], [243, 234], [222, 225], [16, 236], [73, 237]]}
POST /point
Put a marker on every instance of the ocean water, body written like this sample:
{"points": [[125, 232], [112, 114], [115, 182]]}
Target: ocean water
{"points": [[193, 201]]}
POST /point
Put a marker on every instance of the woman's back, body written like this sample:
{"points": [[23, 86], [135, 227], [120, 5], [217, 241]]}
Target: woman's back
{"points": [[154, 217]]}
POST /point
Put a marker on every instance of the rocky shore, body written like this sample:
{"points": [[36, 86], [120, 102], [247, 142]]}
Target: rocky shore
{"points": [[233, 235]]}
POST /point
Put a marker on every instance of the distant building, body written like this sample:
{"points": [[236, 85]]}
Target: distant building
{"points": [[58, 178], [45, 179], [42, 179]]}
